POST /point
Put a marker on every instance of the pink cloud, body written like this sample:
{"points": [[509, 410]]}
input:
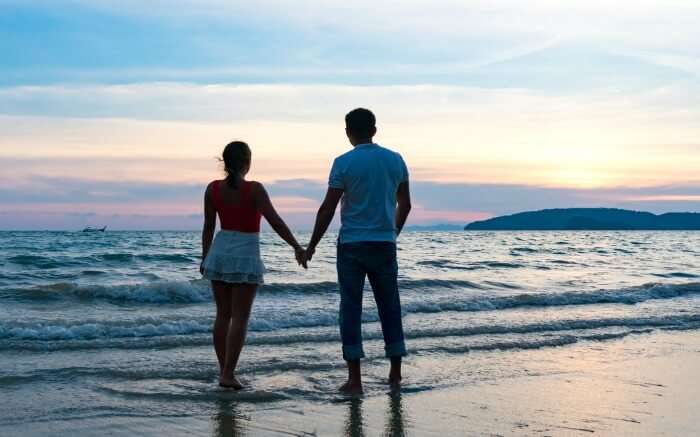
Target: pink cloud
{"points": [[420, 214]]}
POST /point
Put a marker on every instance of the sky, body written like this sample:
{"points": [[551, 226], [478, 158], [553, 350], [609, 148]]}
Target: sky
{"points": [[114, 112]]}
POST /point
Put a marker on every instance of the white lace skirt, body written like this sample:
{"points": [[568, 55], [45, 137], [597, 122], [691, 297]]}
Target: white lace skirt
{"points": [[234, 257]]}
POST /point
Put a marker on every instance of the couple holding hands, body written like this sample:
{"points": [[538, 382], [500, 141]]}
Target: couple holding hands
{"points": [[371, 182]]}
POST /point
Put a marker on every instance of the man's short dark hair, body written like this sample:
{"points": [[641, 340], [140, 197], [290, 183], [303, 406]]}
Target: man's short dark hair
{"points": [[360, 123]]}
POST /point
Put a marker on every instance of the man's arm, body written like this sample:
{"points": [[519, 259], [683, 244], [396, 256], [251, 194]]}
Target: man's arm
{"points": [[324, 218], [403, 198]]}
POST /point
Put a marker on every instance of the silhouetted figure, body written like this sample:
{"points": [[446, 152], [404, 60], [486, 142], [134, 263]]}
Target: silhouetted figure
{"points": [[373, 184], [232, 261]]}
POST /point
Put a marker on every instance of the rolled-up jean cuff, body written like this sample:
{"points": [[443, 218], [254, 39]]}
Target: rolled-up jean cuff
{"points": [[353, 352], [397, 349]]}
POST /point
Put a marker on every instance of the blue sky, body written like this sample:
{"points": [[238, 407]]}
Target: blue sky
{"points": [[113, 112]]}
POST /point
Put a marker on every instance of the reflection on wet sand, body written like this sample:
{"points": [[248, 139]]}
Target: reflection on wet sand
{"points": [[226, 421], [395, 420], [395, 424], [354, 423], [229, 421]]}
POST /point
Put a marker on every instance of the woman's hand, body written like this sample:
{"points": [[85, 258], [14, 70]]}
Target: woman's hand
{"points": [[201, 268], [300, 255]]}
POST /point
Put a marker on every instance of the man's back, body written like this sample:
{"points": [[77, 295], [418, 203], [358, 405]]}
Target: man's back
{"points": [[372, 183], [369, 176]]}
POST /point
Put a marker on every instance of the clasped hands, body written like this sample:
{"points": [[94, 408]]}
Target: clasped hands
{"points": [[303, 256]]}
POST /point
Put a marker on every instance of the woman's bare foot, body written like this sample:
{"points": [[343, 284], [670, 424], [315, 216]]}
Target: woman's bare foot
{"points": [[230, 383], [351, 388]]}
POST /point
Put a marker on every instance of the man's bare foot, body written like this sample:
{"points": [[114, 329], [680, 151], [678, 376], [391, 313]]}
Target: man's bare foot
{"points": [[394, 380], [230, 383], [351, 388]]}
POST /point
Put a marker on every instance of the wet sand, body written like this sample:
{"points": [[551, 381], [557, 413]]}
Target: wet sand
{"points": [[643, 385]]}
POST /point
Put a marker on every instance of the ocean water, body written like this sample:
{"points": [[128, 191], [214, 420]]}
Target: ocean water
{"points": [[117, 324]]}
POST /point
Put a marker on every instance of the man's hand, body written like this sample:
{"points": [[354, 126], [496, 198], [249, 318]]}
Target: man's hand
{"points": [[301, 257], [310, 250]]}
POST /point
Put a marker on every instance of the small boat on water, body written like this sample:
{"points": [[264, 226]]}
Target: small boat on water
{"points": [[91, 229]]}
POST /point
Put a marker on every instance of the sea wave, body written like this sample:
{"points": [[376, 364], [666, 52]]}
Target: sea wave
{"points": [[631, 295], [37, 261], [539, 343], [672, 275], [151, 292], [169, 257], [452, 265], [197, 291], [281, 331], [194, 291]]}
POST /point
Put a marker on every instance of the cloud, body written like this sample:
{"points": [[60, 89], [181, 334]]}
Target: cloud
{"points": [[315, 41], [438, 105], [66, 221], [446, 133], [67, 190], [177, 206], [497, 199], [626, 20]]}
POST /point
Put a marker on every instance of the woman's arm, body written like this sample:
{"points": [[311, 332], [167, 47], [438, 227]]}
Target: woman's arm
{"points": [[264, 205], [209, 225]]}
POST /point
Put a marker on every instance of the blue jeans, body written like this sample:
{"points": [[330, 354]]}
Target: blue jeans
{"points": [[375, 260]]}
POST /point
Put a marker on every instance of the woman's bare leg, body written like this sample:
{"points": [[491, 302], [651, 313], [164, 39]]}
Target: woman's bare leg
{"points": [[222, 297], [242, 297]]}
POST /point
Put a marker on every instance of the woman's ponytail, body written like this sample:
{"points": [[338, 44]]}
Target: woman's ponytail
{"points": [[236, 158]]}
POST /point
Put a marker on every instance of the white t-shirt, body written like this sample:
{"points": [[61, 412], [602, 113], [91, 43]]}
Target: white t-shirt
{"points": [[369, 175]]}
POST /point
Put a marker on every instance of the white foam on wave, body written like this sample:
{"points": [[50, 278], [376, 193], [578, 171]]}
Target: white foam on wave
{"points": [[268, 332], [91, 331], [198, 291], [194, 291], [631, 295], [537, 343]]}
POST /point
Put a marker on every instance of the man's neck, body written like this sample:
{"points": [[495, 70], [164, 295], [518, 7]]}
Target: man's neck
{"points": [[362, 141]]}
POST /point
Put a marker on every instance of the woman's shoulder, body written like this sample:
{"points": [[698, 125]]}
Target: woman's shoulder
{"points": [[213, 184], [256, 190]]}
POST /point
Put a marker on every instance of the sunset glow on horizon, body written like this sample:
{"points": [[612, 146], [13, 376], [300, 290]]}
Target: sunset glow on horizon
{"points": [[115, 112]]}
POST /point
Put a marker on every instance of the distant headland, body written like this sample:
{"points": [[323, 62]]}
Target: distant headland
{"points": [[568, 219]]}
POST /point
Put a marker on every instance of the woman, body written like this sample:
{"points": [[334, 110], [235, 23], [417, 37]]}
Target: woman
{"points": [[232, 262]]}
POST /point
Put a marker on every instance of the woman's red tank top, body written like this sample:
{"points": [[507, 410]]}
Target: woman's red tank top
{"points": [[241, 217]]}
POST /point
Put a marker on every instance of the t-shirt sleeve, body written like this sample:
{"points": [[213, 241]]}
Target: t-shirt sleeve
{"points": [[403, 170], [335, 180]]}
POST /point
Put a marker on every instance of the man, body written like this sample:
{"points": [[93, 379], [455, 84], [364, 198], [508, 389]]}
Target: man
{"points": [[373, 184]]}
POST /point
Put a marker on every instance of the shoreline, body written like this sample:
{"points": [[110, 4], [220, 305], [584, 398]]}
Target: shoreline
{"points": [[643, 384]]}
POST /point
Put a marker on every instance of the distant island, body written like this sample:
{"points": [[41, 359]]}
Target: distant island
{"points": [[608, 219]]}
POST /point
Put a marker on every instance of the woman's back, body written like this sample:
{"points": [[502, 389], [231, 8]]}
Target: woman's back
{"points": [[235, 206], [231, 260]]}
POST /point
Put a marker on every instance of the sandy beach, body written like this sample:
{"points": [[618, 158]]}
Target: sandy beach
{"points": [[642, 385]]}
